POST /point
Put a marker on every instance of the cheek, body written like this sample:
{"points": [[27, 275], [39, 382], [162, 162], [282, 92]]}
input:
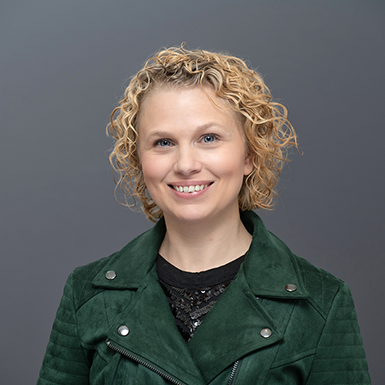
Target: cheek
{"points": [[154, 169], [228, 168], [149, 172], [230, 162]]}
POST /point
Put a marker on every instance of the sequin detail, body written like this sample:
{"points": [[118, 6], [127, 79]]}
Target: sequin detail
{"points": [[190, 306]]}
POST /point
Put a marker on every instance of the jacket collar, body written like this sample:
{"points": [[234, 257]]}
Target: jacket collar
{"points": [[271, 267], [132, 263]]}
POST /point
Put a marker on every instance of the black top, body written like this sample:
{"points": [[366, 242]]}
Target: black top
{"points": [[192, 295]]}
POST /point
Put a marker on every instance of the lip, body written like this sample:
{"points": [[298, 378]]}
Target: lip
{"points": [[190, 182], [189, 195]]}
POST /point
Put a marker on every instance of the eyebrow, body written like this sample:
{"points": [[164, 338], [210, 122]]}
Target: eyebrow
{"points": [[208, 125], [200, 128]]}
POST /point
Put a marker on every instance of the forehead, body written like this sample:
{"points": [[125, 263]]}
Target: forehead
{"points": [[178, 102]]}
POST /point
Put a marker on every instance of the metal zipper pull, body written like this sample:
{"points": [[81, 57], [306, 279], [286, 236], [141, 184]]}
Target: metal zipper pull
{"points": [[140, 361], [233, 371]]}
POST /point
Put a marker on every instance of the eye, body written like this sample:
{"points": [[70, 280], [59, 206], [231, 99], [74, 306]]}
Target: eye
{"points": [[209, 138], [163, 143]]}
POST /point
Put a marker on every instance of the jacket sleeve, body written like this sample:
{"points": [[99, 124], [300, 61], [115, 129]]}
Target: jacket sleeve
{"points": [[64, 362], [340, 357]]}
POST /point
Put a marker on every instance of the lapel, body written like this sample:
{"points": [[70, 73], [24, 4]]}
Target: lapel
{"points": [[133, 263], [231, 329], [270, 265]]}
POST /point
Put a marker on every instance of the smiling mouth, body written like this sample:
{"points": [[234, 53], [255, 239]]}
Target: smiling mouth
{"points": [[192, 188]]}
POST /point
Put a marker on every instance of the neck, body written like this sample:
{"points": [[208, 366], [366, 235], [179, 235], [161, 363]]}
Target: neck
{"points": [[199, 247]]}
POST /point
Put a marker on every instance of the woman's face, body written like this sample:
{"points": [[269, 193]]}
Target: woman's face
{"points": [[192, 155]]}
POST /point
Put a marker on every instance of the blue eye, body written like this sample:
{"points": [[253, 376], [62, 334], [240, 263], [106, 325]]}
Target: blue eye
{"points": [[163, 143], [209, 138]]}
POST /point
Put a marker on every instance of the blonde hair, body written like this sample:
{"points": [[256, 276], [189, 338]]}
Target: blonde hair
{"points": [[267, 131]]}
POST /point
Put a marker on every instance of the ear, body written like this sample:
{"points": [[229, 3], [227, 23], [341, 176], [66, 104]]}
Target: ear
{"points": [[248, 165]]}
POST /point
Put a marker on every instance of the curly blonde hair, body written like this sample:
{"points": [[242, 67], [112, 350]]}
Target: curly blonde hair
{"points": [[267, 131]]}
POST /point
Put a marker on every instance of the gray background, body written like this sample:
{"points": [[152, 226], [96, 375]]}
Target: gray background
{"points": [[63, 67]]}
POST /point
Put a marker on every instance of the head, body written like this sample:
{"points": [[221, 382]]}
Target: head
{"points": [[265, 128]]}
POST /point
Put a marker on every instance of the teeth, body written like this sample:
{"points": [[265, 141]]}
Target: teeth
{"points": [[190, 189]]}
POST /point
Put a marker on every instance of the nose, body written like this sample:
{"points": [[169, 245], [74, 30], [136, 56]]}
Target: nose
{"points": [[187, 161]]}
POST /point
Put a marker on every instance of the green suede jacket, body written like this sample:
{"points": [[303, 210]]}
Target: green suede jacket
{"points": [[281, 321]]}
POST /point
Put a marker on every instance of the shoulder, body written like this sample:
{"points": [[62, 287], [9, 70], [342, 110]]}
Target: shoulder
{"points": [[81, 278], [271, 266], [322, 286], [130, 264]]}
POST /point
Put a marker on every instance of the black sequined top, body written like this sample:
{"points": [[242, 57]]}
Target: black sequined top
{"points": [[192, 295]]}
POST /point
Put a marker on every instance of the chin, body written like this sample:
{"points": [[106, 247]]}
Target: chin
{"points": [[188, 217]]}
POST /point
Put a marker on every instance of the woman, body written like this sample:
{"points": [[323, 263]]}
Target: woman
{"points": [[208, 296]]}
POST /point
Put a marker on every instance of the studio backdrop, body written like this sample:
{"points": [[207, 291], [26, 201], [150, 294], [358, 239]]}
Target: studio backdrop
{"points": [[63, 68]]}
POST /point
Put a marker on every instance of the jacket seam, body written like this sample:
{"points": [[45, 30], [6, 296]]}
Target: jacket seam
{"points": [[62, 346], [63, 359], [283, 332], [323, 329], [53, 382], [296, 358], [322, 291], [76, 324]]}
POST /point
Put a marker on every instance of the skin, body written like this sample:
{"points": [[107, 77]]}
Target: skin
{"points": [[186, 140]]}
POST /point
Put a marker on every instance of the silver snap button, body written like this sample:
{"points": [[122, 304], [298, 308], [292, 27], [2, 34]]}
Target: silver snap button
{"points": [[110, 274], [290, 288], [265, 333], [123, 330]]}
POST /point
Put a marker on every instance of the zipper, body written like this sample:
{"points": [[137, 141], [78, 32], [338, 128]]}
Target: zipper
{"points": [[132, 357], [233, 371]]}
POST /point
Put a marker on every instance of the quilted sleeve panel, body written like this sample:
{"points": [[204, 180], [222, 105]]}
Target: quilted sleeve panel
{"points": [[64, 361], [340, 357]]}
